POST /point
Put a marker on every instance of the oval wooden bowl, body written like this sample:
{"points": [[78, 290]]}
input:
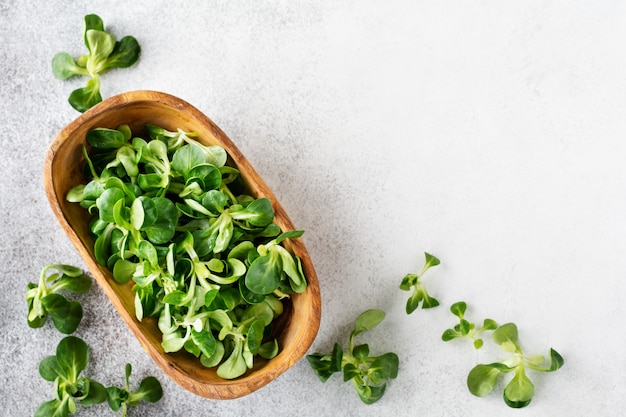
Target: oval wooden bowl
{"points": [[299, 323]]}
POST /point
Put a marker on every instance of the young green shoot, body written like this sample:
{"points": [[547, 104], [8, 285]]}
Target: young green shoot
{"points": [[44, 300], [149, 390], [104, 52], [369, 374], [466, 329], [63, 369], [520, 390], [419, 295]]}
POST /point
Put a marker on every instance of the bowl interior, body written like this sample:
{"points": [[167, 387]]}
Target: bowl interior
{"points": [[296, 327]]}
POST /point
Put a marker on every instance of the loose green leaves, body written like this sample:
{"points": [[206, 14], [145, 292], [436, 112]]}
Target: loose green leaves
{"points": [[369, 374], [483, 378], [71, 388], [419, 295], [64, 369], [44, 300], [104, 53], [149, 390], [465, 328], [520, 390]]}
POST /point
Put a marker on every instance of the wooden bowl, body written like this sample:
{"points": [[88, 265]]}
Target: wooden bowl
{"points": [[299, 323]]}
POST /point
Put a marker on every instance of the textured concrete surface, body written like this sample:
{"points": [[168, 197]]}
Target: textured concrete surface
{"points": [[491, 134]]}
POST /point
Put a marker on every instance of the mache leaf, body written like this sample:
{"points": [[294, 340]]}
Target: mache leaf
{"points": [[368, 320]]}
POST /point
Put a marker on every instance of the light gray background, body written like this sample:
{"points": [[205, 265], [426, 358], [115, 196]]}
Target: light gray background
{"points": [[489, 133]]}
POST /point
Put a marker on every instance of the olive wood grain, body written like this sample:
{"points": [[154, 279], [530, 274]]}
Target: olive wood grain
{"points": [[299, 323]]}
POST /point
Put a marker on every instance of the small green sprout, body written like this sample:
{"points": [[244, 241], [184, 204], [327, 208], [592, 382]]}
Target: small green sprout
{"points": [[43, 299], [369, 374], [120, 398], [465, 328], [72, 356], [104, 53], [520, 390], [420, 295]]}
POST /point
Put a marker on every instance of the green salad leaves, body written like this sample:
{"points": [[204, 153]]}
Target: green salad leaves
{"points": [[104, 52], [419, 295], [71, 388], [63, 369], [149, 390], [205, 258], [44, 300], [482, 378], [369, 374], [72, 354], [520, 390], [466, 329]]}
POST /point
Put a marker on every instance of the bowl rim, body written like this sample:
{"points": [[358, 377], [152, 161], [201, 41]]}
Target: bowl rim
{"points": [[226, 389]]}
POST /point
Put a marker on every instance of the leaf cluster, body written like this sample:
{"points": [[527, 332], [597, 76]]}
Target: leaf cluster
{"points": [[71, 388], [465, 328], [63, 369], [482, 378], [171, 216], [104, 52], [520, 390], [43, 298], [419, 295], [368, 373], [149, 390]]}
